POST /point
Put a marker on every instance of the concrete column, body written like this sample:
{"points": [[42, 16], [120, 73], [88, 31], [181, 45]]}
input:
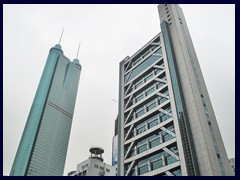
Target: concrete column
{"points": [[135, 131], [164, 160], [161, 138], [149, 166], [135, 150], [148, 144], [146, 125], [136, 170]]}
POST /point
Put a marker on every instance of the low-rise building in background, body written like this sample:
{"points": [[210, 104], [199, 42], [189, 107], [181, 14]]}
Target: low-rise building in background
{"points": [[94, 165]]}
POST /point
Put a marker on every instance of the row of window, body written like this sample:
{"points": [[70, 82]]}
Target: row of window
{"points": [[149, 105], [149, 123], [144, 79], [154, 162], [100, 167], [145, 64], [148, 91], [146, 124], [138, 57], [151, 141]]}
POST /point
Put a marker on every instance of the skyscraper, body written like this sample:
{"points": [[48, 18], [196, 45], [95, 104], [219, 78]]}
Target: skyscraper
{"points": [[166, 123], [232, 165], [44, 142]]}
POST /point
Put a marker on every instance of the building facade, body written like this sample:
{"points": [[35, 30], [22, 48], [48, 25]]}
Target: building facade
{"points": [[166, 123], [94, 165], [44, 142], [232, 165]]}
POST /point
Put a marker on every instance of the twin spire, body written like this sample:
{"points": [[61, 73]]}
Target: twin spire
{"points": [[78, 44]]}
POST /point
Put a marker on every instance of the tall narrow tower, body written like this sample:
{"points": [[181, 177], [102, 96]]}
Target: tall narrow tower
{"points": [[166, 124], [43, 146]]}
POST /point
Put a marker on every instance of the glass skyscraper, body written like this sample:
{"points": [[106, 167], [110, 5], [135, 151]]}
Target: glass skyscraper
{"points": [[166, 123], [43, 146]]}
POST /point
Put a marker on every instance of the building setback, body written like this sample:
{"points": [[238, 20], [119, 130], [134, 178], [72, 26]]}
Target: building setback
{"points": [[166, 123], [44, 142]]}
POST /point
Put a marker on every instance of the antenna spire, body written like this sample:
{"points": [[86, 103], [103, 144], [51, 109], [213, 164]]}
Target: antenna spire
{"points": [[78, 49], [61, 36]]}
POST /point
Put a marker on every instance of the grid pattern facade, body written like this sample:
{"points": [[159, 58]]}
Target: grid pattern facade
{"points": [[167, 125], [43, 147], [149, 138], [209, 154]]}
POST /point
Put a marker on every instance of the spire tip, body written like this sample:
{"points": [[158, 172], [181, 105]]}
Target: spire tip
{"points": [[78, 49], [61, 36]]}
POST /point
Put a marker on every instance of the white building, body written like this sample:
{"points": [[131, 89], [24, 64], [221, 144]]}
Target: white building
{"points": [[94, 165], [166, 122]]}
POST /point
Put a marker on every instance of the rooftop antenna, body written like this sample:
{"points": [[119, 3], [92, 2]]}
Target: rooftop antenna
{"points": [[61, 36], [78, 49]]}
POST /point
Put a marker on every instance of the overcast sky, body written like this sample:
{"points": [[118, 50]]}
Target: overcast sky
{"points": [[108, 34]]}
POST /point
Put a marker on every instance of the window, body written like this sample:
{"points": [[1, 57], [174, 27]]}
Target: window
{"points": [[162, 100], [168, 15], [157, 71], [149, 91], [167, 137], [151, 105], [154, 142], [108, 170], [142, 148], [143, 65], [153, 123], [157, 164], [166, 8], [167, 12], [96, 166], [139, 97], [140, 130], [177, 172], [84, 173], [139, 113], [102, 168], [148, 77], [170, 159], [169, 19], [138, 84], [143, 169]]}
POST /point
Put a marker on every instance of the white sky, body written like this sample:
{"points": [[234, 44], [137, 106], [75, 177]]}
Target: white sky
{"points": [[108, 34]]}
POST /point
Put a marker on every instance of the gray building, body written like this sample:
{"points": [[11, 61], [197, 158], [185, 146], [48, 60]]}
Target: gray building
{"points": [[44, 142], [166, 123], [232, 165], [94, 165]]}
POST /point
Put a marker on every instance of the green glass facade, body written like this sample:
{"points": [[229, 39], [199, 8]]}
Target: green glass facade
{"points": [[43, 146]]}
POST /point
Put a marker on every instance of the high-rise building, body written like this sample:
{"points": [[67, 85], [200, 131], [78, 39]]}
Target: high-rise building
{"points": [[166, 123], [115, 143], [43, 146], [94, 165], [232, 165]]}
